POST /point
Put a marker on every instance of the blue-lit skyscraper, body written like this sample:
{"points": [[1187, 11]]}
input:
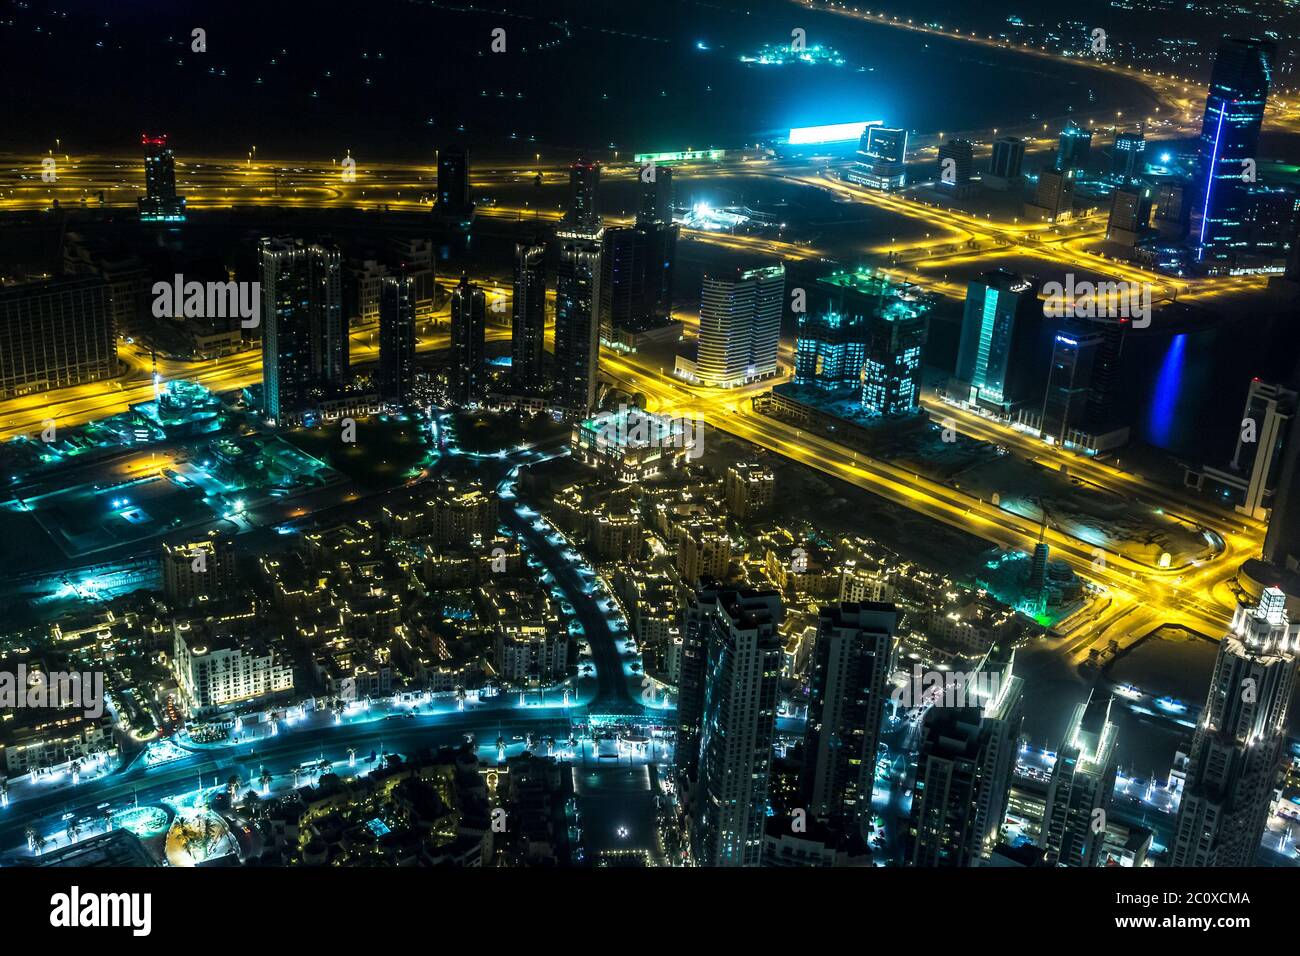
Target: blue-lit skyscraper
{"points": [[829, 349], [1234, 112], [882, 327], [1000, 332]]}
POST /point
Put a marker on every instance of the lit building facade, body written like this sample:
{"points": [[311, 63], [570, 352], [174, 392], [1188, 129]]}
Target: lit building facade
{"points": [[740, 326], [1236, 757], [305, 331], [1000, 332], [1234, 113]]}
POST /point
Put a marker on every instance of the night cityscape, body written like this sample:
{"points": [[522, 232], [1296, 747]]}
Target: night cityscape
{"points": [[603, 436]]}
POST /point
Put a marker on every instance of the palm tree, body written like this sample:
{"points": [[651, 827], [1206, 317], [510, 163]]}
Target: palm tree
{"points": [[232, 784], [73, 830], [265, 779], [107, 814], [30, 833]]}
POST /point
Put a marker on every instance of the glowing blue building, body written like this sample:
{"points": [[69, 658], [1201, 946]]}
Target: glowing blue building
{"points": [[1234, 112]]}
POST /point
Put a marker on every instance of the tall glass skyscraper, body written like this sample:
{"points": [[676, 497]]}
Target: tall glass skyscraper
{"points": [[577, 322], [468, 372], [584, 189], [528, 325], [305, 332], [396, 338], [454, 203], [738, 722], [1079, 793], [160, 202], [852, 662], [1234, 113], [886, 324], [740, 325]]}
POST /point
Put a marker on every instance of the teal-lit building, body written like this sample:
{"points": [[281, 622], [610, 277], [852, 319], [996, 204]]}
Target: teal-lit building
{"points": [[883, 322], [1001, 333]]}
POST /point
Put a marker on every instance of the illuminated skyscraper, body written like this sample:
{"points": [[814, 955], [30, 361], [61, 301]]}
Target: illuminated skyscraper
{"points": [[160, 202], [584, 190], [468, 369], [738, 721], [528, 325], [1079, 793], [850, 684], [454, 203], [396, 338], [886, 325], [964, 768], [1000, 334], [1127, 157], [577, 322], [829, 348], [1234, 113], [740, 325], [881, 159], [305, 331], [1236, 756]]}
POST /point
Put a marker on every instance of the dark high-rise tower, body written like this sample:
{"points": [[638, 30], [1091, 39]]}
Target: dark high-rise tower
{"points": [[396, 338], [1073, 150], [656, 204], [454, 203], [1234, 113], [577, 323], [468, 372], [1236, 756], [528, 323], [584, 188], [850, 684], [305, 332], [1008, 156], [956, 163], [160, 202]]}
